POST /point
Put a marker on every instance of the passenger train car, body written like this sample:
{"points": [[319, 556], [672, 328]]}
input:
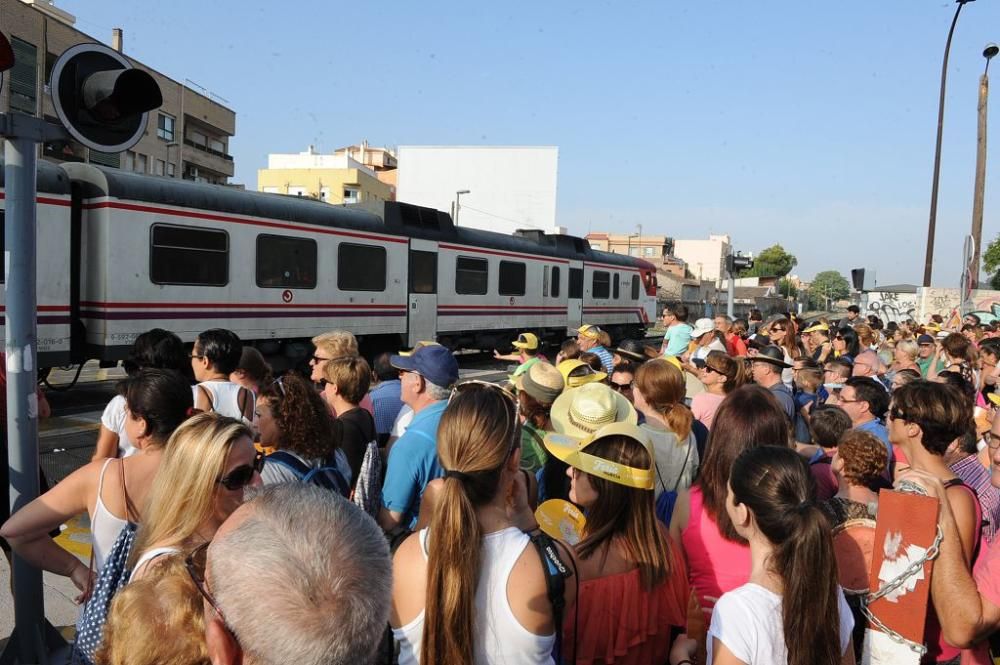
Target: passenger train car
{"points": [[120, 253]]}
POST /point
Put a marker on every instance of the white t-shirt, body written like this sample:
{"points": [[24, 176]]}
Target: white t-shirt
{"points": [[113, 420], [748, 621]]}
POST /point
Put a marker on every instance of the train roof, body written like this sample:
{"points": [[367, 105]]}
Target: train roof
{"points": [[51, 178], [397, 218]]}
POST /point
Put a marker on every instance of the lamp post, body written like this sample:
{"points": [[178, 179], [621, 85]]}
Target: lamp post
{"points": [[977, 196], [932, 220], [458, 204]]}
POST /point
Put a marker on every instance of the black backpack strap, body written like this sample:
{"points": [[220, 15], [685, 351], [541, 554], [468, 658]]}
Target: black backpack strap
{"points": [[556, 573]]}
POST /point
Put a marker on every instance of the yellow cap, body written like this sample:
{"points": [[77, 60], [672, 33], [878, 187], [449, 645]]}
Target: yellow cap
{"points": [[571, 451]]}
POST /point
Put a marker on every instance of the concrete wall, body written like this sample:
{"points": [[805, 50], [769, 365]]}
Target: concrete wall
{"points": [[329, 182], [704, 258], [510, 187]]}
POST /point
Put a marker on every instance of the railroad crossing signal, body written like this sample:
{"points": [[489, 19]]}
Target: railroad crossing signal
{"points": [[737, 262], [6, 57], [101, 99]]}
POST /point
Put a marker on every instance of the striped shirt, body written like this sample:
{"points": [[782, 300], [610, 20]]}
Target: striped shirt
{"points": [[976, 476], [606, 359]]}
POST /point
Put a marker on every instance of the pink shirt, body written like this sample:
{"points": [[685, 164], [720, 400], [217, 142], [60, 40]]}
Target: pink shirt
{"points": [[704, 406], [715, 565], [987, 575]]}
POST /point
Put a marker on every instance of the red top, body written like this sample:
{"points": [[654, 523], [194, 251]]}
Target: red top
{"points": [[621, 623], [715, 565]]}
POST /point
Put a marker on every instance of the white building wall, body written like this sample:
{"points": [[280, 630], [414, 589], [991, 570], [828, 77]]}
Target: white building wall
{"points": [[704, 258], [510, 188]]}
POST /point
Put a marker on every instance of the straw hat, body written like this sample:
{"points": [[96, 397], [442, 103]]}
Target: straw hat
{"points": [[579, 412], [542, 381], [577, 373], [816, 327], [587, 330], [571, 449]]}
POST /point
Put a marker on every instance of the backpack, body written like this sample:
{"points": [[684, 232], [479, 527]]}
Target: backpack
{"points": [[328, 477], [112, 577]]}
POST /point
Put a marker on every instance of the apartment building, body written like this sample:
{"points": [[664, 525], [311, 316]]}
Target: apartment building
{"points": [[187, 137]]}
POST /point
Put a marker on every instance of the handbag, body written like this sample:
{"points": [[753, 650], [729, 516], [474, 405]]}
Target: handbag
{"points": [[112, 577]]}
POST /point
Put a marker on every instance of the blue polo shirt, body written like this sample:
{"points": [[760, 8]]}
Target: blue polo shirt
{"points": [[413, 463]]}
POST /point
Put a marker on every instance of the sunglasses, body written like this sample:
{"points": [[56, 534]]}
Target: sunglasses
{"points": [[709, 368], [620, 387], [241, 476], [318, 359], [195, 565]]}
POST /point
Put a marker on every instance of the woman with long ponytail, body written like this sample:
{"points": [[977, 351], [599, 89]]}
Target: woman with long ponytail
{"points": [[659, 390], [792, 610], [470, 588]]}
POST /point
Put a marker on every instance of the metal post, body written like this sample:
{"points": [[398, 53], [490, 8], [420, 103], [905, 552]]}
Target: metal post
{"points": [[730, 306], [20, 337], [932, 221], [980, 186]]}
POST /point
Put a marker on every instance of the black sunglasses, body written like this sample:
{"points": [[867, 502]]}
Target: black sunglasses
{"points": [[620, 387], [241, 476], [195, 564]]}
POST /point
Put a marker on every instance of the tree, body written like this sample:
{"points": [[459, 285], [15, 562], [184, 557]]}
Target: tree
{"points": [[991, 262], [771, 262], [786, 289], [828, 284]]}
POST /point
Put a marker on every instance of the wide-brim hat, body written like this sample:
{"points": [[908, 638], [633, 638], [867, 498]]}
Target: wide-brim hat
{"points": [[579, 412], [541, 381], [634, 350], [576, 373], [771, 354], [819, 326], [702, 326], [525, 341], [571, 450]]}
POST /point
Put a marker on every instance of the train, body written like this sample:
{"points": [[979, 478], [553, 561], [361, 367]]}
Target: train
{"points": [[120, 253]]}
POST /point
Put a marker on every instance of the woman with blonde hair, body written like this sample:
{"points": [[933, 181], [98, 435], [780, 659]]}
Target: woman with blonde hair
{"points": [[633, 586], [209, 462], [334, 345], [658, 391], [905, 356], [471, 588], [168, 599]]}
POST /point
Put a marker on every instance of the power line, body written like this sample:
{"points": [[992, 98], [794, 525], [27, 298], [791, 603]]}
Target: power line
{"points": [[490, 214]]}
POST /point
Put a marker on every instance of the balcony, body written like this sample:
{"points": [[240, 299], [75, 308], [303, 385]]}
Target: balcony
{"points": [[206, 158], [217, 153]]}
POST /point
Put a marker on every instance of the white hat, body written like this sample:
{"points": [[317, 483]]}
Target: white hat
{"points": [[702, 326]]}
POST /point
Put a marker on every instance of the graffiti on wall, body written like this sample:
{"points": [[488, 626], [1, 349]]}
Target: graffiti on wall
{"points": [[892, 306], [984, 303]]}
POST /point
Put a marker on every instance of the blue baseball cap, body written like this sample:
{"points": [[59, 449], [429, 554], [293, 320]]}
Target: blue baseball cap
{"points": [[435, 363]]}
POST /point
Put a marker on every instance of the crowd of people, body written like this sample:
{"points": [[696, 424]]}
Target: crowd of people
{"points": [[393, 513]]}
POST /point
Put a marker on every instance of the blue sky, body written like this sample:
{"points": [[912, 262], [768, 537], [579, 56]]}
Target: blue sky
{"points": [[809, 124]]}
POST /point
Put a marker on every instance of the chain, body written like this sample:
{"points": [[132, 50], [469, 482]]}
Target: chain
{"points": [[896, 583]]}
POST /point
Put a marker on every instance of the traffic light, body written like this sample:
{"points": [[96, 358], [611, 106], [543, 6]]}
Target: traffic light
{"points": [[737, 262], [100, 98]]}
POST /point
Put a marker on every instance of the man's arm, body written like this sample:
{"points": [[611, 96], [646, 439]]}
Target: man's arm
{"points": [[970, 617]]}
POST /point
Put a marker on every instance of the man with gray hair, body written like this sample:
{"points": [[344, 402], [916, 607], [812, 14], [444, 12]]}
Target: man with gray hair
{"points": [[295, 575], [426, 378]]}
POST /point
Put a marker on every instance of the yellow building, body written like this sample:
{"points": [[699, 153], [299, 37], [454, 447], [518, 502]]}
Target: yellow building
{"points": [[334, 178]]}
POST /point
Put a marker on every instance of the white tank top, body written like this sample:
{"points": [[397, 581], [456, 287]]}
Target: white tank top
{"points": [[499, 638], [104, 526], [224, 396]]}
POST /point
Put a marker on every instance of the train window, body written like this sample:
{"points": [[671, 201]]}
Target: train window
{"points": [[512, 278], [635, 287], [360, 267], [576, 282], [601, 286], [471, 275], [423, 271], [188, 256], [285, 262], [617, 289], [554, 289]]}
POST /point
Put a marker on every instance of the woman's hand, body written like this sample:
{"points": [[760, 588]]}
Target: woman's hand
{"points": [[684, 648], [83, 578]]}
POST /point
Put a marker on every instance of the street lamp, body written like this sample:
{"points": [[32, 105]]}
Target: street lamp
{"points": [[932, 221], [978, 190], [458, 205]]}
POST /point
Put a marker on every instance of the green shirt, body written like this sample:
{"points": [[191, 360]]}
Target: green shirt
{"points": [[533, 453]]}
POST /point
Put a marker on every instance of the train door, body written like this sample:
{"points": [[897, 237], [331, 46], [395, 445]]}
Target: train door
{"points": [[423, 283], [575, 302]]}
